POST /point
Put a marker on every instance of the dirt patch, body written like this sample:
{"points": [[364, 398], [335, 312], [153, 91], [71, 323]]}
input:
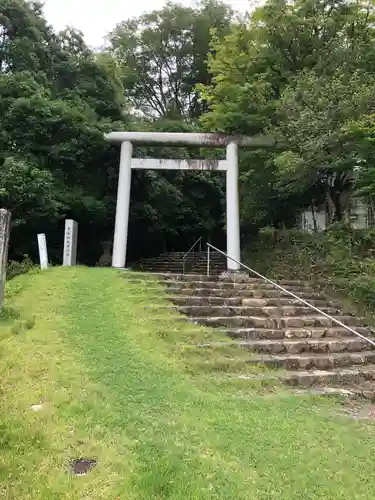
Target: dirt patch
{"points": [[82, 466], [359, 409]]}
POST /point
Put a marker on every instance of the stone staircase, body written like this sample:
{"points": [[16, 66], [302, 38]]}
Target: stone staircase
{"points": [[278, 331], [172, 262]]}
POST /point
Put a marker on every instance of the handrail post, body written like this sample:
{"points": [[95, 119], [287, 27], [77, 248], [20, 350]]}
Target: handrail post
{"points": [[208, 259], [191, 249]]}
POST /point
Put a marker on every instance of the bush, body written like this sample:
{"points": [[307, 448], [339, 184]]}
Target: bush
{"points": [[341, 257], [16, 268]]}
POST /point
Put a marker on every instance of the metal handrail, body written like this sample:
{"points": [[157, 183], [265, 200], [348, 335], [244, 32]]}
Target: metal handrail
{"points": [[188, 252], [316, 309]]}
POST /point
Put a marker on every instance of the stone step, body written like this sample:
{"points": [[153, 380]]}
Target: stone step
{"points": [[197, 278], [206, 301], [195, 300], [356, 375], [364, 390], [179, 266], [272, 312], [177, 260], [181, 255], [201, 264], [243, 292], [272, 328], [195, 281], [274, 323], [308, 361], [297, 346], [293, 333], [169, 277], [257, 287], [172, 270], [196, 268], [286, 301]]}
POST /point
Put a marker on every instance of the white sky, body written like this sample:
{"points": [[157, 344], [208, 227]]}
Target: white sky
{"points": [[95, 18]]}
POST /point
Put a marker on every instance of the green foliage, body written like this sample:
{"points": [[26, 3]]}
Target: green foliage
{"points": [[302, 71], [16, 268], [57, 100], [239, 98], [313, 115], [163, 56], [171, 209], [341, 259], [25, 188], [27, 43]]}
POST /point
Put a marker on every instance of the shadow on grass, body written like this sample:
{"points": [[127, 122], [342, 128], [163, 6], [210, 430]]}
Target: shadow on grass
{"points": [[11, 322], [9, 314]]}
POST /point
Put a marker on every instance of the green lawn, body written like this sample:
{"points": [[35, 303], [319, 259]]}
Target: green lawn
{"points": [[118, 388]]}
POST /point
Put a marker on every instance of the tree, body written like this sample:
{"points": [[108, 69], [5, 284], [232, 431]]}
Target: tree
{"points": [[26, 187], [313, 115], [57, 99], [26, 42], [360, 137], [163, 56], [55, 162], [283, 73]]}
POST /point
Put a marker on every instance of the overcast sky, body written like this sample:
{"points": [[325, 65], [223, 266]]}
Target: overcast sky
{"points": [[95, 18]]}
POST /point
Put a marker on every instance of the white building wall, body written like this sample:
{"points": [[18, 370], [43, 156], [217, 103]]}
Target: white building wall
{"points": [[358, 217], [359, 214], [307, 222]]}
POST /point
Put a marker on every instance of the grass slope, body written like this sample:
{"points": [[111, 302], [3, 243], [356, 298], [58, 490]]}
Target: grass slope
{"points": [[117, 389]]}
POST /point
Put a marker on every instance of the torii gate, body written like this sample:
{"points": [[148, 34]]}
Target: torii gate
{"points": [[230, 166]]}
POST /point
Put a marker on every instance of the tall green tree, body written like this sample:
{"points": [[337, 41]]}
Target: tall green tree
{"points": [[286, 73], [27, 43], [313, 118], [163, 55], [57, 99]]}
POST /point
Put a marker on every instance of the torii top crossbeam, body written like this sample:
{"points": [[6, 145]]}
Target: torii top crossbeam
{"points": [[194, 139]]}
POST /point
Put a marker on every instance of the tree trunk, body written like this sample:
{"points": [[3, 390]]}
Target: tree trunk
{"points": [[338, 193], [314, 218], [330, 208], [336, 198], [372, 211]]}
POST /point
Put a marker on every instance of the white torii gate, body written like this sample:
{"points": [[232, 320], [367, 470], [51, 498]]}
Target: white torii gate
{"points": [[230, 165]]}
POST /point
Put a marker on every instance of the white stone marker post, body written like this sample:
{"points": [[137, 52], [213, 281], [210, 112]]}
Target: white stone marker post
{"points": [[5, 217], [43, 254], [70, 243]]}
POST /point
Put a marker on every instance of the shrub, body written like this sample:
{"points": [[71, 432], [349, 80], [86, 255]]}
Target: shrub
{"points": [[16, 268], [341, 257]]}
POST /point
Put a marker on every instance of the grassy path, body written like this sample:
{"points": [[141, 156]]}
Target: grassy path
{"points": [[116, 389]]}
